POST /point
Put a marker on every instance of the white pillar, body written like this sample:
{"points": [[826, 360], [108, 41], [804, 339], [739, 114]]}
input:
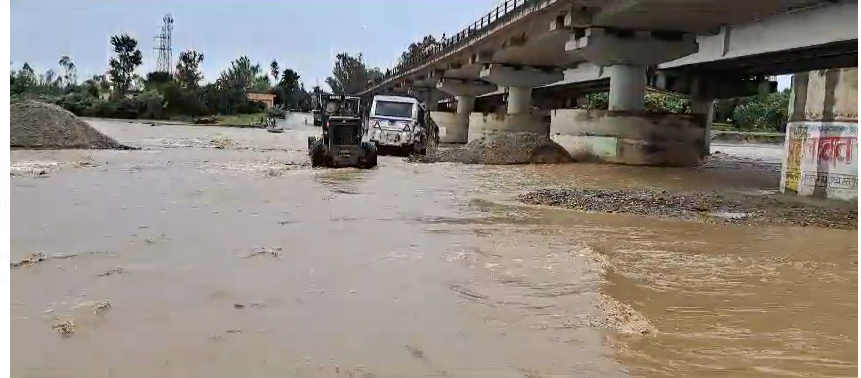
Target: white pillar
{"points": [[459, 132], [705, 106], [627, 86], [519, 100]]}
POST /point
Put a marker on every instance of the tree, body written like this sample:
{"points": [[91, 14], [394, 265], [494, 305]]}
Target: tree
{"points": [[417, 48], [23, 80], [122, 66], [188, 74], [260, 84], [240, 75], [288, 90], [274, 70], [350, 74], [70, 76]]}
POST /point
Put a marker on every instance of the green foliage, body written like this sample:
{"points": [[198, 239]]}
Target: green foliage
{"points": [[122, 66], [276, 112], [415, 49], [665, 103], [599, 100], [158, 94], [763, 113], [70, 76], [188, 73], [350, 74], [274, 70], [652, 102]]}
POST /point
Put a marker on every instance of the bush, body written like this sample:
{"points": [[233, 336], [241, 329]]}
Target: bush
{"points": [[653, 102], [150, 105], [250, 107], [766, 113], [276, 112]]}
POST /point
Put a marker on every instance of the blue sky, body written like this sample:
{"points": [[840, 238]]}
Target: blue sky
{"points": [[302, 35]]}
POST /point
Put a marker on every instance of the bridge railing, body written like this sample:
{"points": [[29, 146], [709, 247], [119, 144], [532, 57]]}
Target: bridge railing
{"points": [[504, 11]]}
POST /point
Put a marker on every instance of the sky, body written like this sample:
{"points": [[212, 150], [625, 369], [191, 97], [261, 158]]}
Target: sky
{"points": [[302, 35]]}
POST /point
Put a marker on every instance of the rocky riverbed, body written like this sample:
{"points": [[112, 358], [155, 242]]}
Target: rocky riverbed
{"points": [[732, 208]]}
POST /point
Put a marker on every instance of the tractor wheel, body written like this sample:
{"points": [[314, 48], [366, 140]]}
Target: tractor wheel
{"points": [[318, 154], [370, 159]]}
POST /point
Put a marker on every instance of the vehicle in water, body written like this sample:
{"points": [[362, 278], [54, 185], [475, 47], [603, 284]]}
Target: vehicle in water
{"points": [[317, 115], [398, 125], [341, 144]]}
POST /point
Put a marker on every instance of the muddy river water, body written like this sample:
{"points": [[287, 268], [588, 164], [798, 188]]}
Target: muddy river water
{"points": [[223, 254]]}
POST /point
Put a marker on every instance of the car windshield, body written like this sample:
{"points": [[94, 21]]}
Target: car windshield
{"points": [[394, 109]]}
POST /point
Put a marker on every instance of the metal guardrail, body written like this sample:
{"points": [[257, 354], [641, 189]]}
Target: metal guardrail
{"points": [[501, 13]]}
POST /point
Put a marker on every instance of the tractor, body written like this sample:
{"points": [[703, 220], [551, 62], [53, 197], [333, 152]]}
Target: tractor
{"points": [[341, 144]]}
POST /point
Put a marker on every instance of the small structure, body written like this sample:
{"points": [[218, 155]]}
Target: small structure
{"points": [[266, 98]]}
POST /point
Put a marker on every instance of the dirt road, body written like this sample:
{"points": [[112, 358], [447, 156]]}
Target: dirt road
{"points": [[222, 253]]}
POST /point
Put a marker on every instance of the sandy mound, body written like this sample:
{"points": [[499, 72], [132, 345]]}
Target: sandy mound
{"points": [[37, 125], [503, 149]]}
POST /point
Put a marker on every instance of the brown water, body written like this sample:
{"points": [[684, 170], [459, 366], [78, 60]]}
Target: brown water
{"points": [[404, 270]]}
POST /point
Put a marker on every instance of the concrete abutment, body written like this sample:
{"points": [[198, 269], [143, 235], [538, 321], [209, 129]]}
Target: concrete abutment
{"points": [[629, 137]]}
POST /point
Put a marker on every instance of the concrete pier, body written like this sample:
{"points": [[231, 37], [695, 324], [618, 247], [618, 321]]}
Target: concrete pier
{"points": [[821, 147], [456, 129]]}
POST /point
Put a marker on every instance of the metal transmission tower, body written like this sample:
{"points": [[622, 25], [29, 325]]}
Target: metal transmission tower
{"points": [[163, 45]]}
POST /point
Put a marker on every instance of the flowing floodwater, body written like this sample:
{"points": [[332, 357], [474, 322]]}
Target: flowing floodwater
{"points": [[223, 254]]}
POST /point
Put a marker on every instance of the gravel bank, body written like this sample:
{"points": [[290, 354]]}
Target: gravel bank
{"points": [[503, 149], [709, 207], [37, 125]]}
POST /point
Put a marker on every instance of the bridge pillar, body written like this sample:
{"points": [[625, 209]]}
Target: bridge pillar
{"points": [[519, 100], [456, 129], [624, 133], [519, 116], [627, 53], [820, 153], [627, 86], [704, 106]]}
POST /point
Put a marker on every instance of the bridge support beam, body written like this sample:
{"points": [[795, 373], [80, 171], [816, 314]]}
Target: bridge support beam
{"points": [[627, 53], [430, 96], [456, 129], [519, 116]]}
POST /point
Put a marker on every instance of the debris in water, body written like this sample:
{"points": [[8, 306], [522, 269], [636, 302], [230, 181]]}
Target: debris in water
{"points": [[99, 307], [623, 318], [236, 330], [111, 272], [65, 328], [30, 260], [416, 352], [222, 142], [274, 252], [238, 306], [60, 256]]}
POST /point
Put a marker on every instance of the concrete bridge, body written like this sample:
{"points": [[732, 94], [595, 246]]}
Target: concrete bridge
{"points": [[537, 53]]}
